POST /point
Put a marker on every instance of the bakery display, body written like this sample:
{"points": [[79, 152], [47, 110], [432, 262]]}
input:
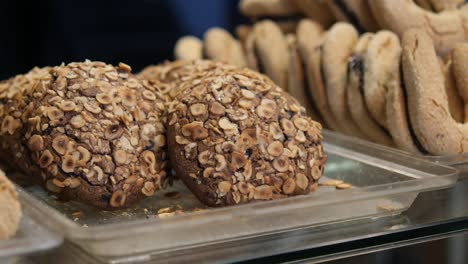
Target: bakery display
{"points": [[10, 208], [87, 131], [219, 45], [349, 75], [188, 48], [237, 137]]}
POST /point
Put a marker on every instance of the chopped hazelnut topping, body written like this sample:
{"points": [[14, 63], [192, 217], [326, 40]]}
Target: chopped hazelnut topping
{"points": [[263, 192], [224, 186], [60, 144], [281, 164], [220, 162], [217, 109], [198, 109], [302, 181], [289, 186], [275, 148], [36, 143]]}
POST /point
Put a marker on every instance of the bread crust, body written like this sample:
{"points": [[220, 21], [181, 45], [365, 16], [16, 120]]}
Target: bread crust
{"points": [[228, 140]]}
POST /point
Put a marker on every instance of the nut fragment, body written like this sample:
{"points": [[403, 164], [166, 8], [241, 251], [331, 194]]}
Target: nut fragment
{"points": [[238, 160], [120, 157], [182, 141], [104, 98], [208, 172], [72, 182], [68, 164], [46, 159], [195, 130], [225, 124], [149, 95], [77, 121], [60, 143], [198, 109], [148, 188], [35, 143], [275, 148], [220, 162], [281, 163], [343, 186], [289, 186], [204, 157], [118, 199], [224, 186], [216, 109], [236, 197], [247, 94], [67, 106], [288, 127], [316, 172], [301, 124], [263, 192], [54, 114], [10, 125], [332, 183], [302, 181]]}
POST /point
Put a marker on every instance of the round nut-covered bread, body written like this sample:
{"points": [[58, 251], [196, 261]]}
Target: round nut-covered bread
{"points": [[10, 208], [89, 132], [13, 89], [237, 137]]}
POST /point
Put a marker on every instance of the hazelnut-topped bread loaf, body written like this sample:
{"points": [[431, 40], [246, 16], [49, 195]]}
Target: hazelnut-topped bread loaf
{"points": [[235, 137], [88, 131]]}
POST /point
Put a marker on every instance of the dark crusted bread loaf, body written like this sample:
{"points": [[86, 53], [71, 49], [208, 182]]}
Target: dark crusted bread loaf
{"points": [[235, 137], [88, 131]]}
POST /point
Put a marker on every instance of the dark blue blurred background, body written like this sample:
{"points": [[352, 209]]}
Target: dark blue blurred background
{"points": [[140, 32]]}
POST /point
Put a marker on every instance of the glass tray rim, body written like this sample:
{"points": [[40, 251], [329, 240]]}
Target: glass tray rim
{"points": [[424, 181], [450, 159]]}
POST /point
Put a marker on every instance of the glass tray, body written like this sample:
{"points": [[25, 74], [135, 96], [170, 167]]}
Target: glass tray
{"points": [[31, 237], [384, 183], [459, 161]]}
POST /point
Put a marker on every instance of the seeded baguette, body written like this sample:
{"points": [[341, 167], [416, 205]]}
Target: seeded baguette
{"points": [[89, 132], [10, 208], [237, 137]]}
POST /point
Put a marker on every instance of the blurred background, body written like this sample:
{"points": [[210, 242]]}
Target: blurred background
{"points": [[138, 32]]}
